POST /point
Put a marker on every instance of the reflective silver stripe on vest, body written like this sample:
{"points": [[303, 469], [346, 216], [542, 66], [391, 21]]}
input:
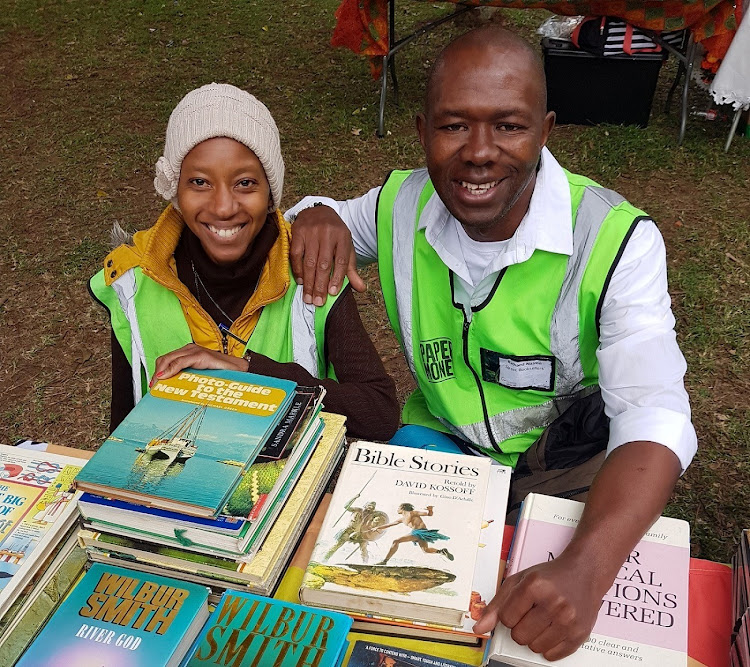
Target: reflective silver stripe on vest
{"points": [[125, 288], [595, 205], [404, 227], [304, 344], [515, 422]]}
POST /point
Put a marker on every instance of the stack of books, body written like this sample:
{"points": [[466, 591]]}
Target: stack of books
{"points": [[411, 542], [740, 651], [211, 479], [39, 556]]}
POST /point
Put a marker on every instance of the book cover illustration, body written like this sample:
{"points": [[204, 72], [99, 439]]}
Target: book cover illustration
{"points": [[189, 428], [403, 525], [116, 617], [263, 475], [35, 491], [643, 616], [367, 654], [247, 630]]}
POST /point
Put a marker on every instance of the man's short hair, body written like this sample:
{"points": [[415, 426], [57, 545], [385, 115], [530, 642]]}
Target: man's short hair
{"points": [[406, 507]]}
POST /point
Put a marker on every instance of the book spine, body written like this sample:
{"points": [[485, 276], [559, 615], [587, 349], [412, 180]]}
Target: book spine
{"points": [[516, 546]]}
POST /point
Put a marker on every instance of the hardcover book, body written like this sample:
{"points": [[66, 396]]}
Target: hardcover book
{"points": [[643, 617], [401, 535], [261, 574], [486, 575], [195, 426], [247, 630], [119, 618], [36, 509]]}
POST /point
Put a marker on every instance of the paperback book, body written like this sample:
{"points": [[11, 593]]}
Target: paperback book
{"points": [[368, 654], [119, 617], [401, 535], [258, 631], [643, 617], [37, 507], [195, 426]]}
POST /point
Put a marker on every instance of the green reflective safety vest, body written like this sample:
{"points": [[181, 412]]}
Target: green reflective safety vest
{"points": [[288, 330], [497, 373]]}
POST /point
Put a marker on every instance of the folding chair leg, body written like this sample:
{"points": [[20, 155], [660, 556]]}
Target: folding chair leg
{"points": [[690, 57], [673, 87], [383, 94], [392, 68], [733, 129]]}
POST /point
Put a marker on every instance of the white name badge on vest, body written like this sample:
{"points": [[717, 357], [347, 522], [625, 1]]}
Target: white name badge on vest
{"points": [[534, 372]]}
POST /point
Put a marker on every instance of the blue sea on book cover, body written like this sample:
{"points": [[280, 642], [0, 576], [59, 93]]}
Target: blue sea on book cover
{"points": [[196, 426], [261, 632], [116, 617]]}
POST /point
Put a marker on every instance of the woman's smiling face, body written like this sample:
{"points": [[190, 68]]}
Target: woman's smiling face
{"points": [[224, 197]]}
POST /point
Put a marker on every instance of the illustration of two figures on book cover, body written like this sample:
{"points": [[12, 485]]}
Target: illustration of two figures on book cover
{"points": [[391, 542]]}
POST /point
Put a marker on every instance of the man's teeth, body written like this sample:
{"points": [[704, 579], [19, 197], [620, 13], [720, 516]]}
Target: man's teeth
{"points": [[478, 188], [223, 232]]}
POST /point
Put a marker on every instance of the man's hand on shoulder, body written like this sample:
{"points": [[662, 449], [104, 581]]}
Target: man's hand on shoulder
{"points": [[551, 607], [322, 253]]}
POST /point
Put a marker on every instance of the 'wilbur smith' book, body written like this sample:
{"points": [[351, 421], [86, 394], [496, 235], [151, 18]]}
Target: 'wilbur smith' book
{"points": [[193, 427], [248, 630], [119, 618], [643, 616], [401, 535]]}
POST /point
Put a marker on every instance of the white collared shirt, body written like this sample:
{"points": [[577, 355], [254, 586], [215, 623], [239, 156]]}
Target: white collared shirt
{"points": [[641, 368]]}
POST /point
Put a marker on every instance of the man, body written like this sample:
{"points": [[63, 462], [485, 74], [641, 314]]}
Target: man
{"points": [[420, 534], [362, 528], [532, 307]]}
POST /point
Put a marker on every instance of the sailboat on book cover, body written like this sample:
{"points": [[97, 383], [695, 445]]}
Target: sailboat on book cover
{"points": [[177, 443], [194, 427]]}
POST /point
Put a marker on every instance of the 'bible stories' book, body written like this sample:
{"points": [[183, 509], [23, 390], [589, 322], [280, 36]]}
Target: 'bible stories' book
{"points": [[643, 616], [401, 535], [193, 427], [120, 617]]}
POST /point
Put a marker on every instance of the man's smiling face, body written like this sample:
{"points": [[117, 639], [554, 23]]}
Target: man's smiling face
{"points": [[483, 129]]}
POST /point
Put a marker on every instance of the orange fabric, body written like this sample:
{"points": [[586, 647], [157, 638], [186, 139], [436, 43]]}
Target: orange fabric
{"points": [[362, 25], [709, 612]]}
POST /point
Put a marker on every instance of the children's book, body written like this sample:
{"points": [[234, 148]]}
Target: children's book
{"points": [[37, 507], [117, 617], [367, 654], [250, 630], [643, 616], [401, 535], [31, 609], [193, 427]]}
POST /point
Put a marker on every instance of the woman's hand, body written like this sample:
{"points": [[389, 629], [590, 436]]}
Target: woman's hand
{"points": [[195, 356]]}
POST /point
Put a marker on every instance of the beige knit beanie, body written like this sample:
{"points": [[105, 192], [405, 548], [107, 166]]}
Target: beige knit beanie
{"points": [[219, 110]]}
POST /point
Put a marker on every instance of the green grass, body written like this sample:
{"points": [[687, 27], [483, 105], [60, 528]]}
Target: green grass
{"points": [[88, 88]]}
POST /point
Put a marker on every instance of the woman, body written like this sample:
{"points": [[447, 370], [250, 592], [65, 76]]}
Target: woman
{"points": [[209, 285]]}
